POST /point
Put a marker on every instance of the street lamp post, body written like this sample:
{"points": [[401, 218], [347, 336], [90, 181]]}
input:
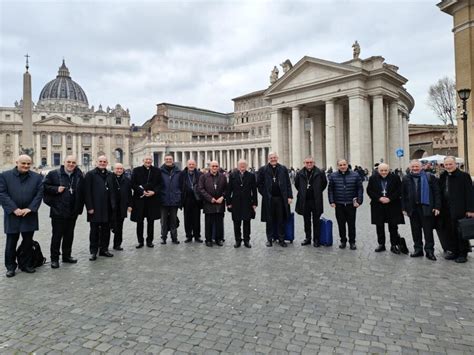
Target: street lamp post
{"points": [[464, 96]]}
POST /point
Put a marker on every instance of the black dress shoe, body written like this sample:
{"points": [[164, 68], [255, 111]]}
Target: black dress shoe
{"points": [[306, 242], [342, 245], [118, 248], [269, 243], [461, 259], [106, 254], [54, 264], [431, 256], [352, 246], [163, 241], [188, 240], [237, 244], [283, 244], [29, 270], [198, 240], [316, 244], [417, 254], [247, 245], [10, 273], [151, 245], [175, 241], [93, 257], [394, 249], [139, 246], [69, 260], [450, 255], [219, 243], [209, 244], [380, 248]]}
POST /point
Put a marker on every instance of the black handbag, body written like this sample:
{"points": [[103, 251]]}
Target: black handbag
{"points": [[466, 228]]}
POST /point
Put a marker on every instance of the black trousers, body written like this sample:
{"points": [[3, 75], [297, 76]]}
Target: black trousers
{"points": [[10, 249], [456, 244], [346, 214], [310, 212], [118, 231], [63, 230], [150, 230], [169, 222], [422, 225], [276, 210], [216, 221], [99, 237], [238, 231], [392, 229], [192, 219]]}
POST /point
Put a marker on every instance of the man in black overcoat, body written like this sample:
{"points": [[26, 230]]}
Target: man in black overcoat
{"points": [[121, 200], [385, 190], [457, 201], [191, 201], [146, 185], [242, 201], [63, 192], [212, 187], [99, 210], [310, 183], [273, 183], [421, 201], [21, 192]]}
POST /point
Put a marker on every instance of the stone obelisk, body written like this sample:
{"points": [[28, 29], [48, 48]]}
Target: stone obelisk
{"points": [[27, 128]]}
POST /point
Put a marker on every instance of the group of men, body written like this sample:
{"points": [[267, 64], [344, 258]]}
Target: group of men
{"points": [[155, 193]]}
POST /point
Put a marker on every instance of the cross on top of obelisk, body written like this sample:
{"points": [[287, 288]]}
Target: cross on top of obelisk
{"points": [[27, 64]]}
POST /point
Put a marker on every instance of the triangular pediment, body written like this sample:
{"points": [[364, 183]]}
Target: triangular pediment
{"points": [[54, 120], [311, 71]]}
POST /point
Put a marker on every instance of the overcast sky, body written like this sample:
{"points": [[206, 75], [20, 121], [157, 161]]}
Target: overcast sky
{"points": [[204, 53]]}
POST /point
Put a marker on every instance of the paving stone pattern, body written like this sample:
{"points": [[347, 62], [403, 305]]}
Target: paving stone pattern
{"points": [[187, 298]]}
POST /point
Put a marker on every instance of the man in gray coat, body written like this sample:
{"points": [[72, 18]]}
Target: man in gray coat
{"points": [[21, 192]]}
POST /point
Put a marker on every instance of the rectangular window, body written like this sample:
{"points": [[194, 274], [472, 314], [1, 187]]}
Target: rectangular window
{"points": [[87, 139], [56, 139], [118, 120], [56, 159], [69, 118], [8, 117]]}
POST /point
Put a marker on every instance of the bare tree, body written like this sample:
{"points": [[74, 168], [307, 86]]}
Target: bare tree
{"points": [[442, 100]]}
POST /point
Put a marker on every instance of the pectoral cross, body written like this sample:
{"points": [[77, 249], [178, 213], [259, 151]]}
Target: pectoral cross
{"points": [[274, 179], [215, 186], [71, 191], [308, 186]]}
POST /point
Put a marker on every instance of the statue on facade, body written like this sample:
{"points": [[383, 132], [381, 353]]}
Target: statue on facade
{"points": [[274, 75], [286, 65], [356, 50]]}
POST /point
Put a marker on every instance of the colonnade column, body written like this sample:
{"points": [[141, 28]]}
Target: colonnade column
{"points": [[330, 134], [379, 129], [295, 136]]}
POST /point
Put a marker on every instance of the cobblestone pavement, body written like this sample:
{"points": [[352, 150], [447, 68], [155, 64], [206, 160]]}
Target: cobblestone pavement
{"points": [[188, 298]]}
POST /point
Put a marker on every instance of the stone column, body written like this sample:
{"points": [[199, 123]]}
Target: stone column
{"points": [[318, 146], [48, 150], [205, 158], [286, 154], [394, 134], [379, 129], [360, 147], [331, 156], [38, 149], [276, 130], [263, 157], [64, 147], [16, 146], [79, 150], [228, 159], [339, 127], [295, 136], [406, 120]]}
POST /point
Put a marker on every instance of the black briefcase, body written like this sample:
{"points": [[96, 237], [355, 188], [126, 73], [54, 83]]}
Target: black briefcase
{"points": [[466, 228]]}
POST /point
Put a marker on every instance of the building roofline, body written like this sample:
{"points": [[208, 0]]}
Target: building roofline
{"points": [[195, 108]]}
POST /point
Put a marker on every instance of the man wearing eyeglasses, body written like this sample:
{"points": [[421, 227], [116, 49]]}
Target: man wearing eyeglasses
{"points": [[212, 187], [63, 194], [273, 183], [310, 183], [98, 205], [21, 192]]}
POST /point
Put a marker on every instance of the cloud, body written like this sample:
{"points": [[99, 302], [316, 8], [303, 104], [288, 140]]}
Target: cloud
{"points": [[204, 53]]}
